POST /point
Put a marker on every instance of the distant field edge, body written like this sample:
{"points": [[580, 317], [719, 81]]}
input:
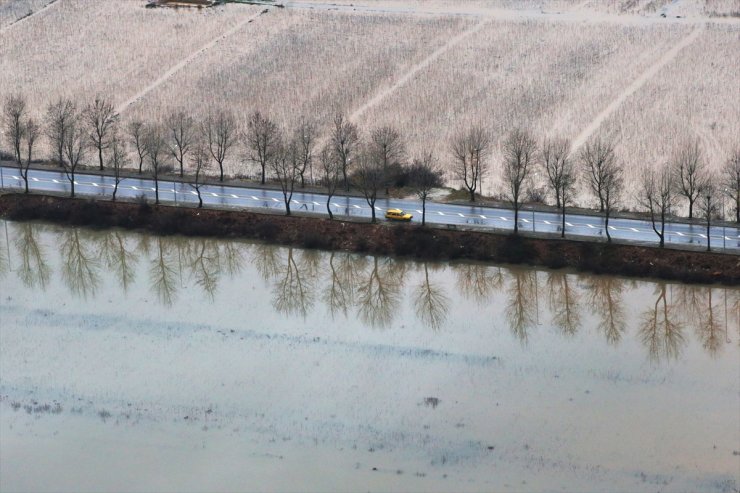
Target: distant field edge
{"points": [[380, 239]]}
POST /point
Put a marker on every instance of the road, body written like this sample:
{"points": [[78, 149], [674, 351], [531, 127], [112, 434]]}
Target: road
{"points": [[634, 230]]}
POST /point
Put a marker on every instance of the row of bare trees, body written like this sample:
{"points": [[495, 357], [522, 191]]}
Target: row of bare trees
{"points": [[371, 163], [597, 166]]}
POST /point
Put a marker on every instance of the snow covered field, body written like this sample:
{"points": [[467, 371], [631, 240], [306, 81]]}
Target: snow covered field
{"points": [[562, 67], [143, 363]]}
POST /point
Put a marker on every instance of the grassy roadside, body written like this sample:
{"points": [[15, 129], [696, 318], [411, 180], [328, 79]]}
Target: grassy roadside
{"points": [[382, 239]]}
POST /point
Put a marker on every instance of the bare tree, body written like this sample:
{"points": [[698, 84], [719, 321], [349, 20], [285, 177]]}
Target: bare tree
{"points": [[387, 147], [100, 118], [731, 180], [59, 117], [199, 160], [182, 132], [331, 168], [136, 131], [597, 157], [220, 132], [612, 191], [469, 149], [14, 113], [74, 149], [425, 175], [345, 138], [118, 160], [561, 173], [369, 178], [708, 204], [306, 138], [688, 165], [519, 150], [31, 134], [285, 165], [262, 139], [156, 147], [657, 195]]}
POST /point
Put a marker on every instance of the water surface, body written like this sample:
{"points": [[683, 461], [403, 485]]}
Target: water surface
{"points": [[136, 362]]}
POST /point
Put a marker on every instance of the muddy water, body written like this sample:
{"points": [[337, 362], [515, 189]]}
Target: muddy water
{"points": [[133, 362]]}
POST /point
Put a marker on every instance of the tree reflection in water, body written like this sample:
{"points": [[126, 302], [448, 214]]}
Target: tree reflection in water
{"points": [[203, 264], [117, 257], [375, 286], [478, 281], [378, 292], [294, 291], [430, 301], [605, 299], [660, 330], [162, 270], [80, 264], [564, 303], [521, 308], [33, 269]]}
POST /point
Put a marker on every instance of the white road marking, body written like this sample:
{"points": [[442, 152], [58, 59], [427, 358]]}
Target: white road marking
{"points": [[154, 189], [133, 187], [295, 201], [568, 224], [440, 213], [234, 196], [275, 200], [335, 204], [356, 206], [526, 220], [483, 217], [194, 193], [214, 194], [315, 203], [546, 221], [254, 198], [612, 228], [55, 181], [418, 211], [679, 233], [461, 215], [34, 179], [95, 184], [703, 236], [635, 230], [591, 226]]}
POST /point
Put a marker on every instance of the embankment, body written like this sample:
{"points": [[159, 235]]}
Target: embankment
{"points": [[383, 239]]}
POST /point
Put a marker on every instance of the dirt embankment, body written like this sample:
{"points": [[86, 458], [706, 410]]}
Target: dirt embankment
{"points": [[400, 240]]}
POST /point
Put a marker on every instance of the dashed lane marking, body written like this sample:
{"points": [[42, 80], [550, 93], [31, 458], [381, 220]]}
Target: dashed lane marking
{"points": [[679, 233], [234, 196], [315, 203], [461, 215], [503, 218], [635, 230], [482, 216], [591, 226], [612, 228], [255, 198], [275, 200], [568, 224], [440, 213], [526, 220], [356, 206]]}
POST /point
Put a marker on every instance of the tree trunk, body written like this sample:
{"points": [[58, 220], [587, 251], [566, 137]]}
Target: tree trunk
{"points": [[72, 182], [472, 195], [200, 199], [606, 227], [516, 219], [562, 230], [100, 156], [141, 163], [691, 209], [328, 207], [372, 212], [115, 189], [263, 175], [156, 190], [25, 179], [737, 209], [423, 211], [709, 241], [221, 169], [662, 229]]}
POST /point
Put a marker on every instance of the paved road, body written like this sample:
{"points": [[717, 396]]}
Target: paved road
{"points": [[231, 196]]}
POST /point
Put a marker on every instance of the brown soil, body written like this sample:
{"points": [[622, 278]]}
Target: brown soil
{"points": [[384, 239]]}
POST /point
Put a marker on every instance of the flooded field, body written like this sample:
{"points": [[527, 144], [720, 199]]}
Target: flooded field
{"points": [[134, 362]]}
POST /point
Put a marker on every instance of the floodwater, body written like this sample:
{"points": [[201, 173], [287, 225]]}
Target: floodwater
{"points": [[134, 362]]}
